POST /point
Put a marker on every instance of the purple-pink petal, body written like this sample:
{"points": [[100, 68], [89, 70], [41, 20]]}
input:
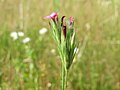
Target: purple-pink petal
{"points": [[52, 16], [47, 17], [71, 20]]}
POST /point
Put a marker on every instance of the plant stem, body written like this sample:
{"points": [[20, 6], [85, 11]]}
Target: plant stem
{"points": [[63, 77], [66, 77]]}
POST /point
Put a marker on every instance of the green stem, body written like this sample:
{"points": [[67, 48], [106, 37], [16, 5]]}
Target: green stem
{"points": [[63, 77], [66, 77]]}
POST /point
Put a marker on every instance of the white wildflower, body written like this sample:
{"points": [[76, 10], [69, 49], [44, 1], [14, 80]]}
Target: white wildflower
{"points": [[26, 40], [43, 31], [49, 84], [53, 51], [14, 35], [21, 34]]}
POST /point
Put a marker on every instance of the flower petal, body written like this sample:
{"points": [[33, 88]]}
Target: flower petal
{"points": [[71, 20], [53, 16]]}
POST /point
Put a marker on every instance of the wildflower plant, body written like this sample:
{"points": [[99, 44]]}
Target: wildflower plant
{"points": [[65, 37]]}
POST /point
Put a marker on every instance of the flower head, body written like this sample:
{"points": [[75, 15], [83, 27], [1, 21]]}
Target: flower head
{"points": [[43, 31], [21, 34], [52, 16], [64, 35], [14, 35], [26, 40]]}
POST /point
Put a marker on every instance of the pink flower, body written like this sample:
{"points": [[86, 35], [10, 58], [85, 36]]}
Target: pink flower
{"points": [[52, 16], [71, 20]]}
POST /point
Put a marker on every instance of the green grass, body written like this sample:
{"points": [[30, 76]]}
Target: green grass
{"points": [[32, 66]]}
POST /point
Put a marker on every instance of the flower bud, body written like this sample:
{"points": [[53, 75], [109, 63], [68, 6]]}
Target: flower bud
{"points": [[64, 30]]}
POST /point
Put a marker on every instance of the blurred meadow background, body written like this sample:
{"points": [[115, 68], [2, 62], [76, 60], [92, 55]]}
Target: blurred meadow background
{"points": [[29, 58]]}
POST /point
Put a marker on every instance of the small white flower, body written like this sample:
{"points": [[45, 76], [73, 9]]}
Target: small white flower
{"points": [[49, 84], [43, 31], [21, 34], [26, 40], [14, 35], [53, 51]]}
